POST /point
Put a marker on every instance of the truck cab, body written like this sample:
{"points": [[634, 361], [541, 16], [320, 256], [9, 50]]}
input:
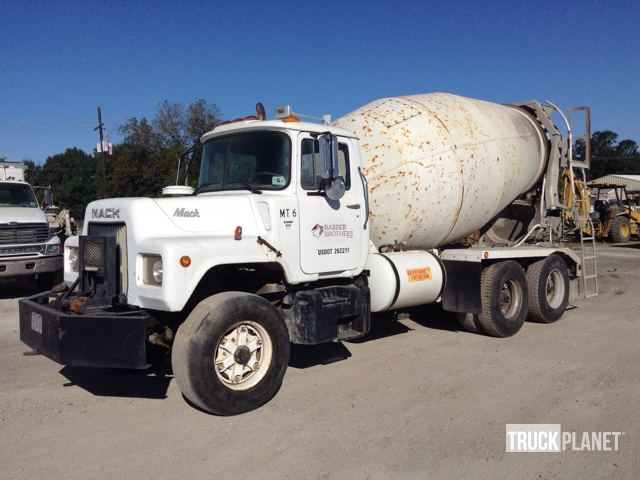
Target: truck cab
{"points": [[262, 201]]}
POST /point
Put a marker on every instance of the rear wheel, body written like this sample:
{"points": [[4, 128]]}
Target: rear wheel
{"points": [[621, 229], [470, 322], [549, 287], [505, 298], [231, 353]]}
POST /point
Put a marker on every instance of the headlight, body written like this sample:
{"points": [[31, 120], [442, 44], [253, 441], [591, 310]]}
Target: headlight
{"points": [[53, 249], [156, 271], [73, 259], [152, 269]]}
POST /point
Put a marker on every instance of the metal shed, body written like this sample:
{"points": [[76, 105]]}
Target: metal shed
{"points": [[632, 182]]}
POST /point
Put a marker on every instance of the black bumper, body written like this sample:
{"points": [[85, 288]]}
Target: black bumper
{"points": [[96, 339]]}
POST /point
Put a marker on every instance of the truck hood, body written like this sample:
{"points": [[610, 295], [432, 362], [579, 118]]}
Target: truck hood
{"points": [[22, 215], [159, 217]]}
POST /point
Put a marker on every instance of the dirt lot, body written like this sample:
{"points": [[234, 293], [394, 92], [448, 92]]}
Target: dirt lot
{"points": [[420, 399]]}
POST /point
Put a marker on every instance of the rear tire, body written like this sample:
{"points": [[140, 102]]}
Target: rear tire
{"points": [[620, 229], [505, 298], [231, 353], [549, 287], [470, 322]]}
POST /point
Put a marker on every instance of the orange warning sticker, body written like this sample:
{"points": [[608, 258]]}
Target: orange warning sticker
{"points": [[419, 274]]}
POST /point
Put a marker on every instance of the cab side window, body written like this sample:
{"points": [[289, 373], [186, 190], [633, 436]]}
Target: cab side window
{"points": [[313, 171]]}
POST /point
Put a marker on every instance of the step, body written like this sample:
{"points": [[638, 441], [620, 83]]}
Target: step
{"points": [[591, 276]]}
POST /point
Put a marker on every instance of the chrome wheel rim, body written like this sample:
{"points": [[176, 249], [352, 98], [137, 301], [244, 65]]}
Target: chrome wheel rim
{"points": [[510, 299], [554, 288], [243, 355]]}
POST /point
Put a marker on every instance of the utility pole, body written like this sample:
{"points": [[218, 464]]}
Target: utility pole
{"points": [[102, 183]]}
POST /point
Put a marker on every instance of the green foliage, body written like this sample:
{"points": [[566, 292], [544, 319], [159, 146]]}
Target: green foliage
{"points": [[610, 156], [33, 173], [72, 175], [136, 171], [157, 144]]}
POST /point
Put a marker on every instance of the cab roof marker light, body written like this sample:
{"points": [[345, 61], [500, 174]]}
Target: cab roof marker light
{"points": [[286, 114]]}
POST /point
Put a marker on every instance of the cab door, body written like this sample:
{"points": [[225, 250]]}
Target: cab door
{"points": [[330, 231]]}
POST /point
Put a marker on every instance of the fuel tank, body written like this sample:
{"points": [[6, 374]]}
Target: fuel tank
{"points": [[441, 166]]}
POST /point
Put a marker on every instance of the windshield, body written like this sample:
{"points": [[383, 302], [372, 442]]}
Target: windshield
{"points": [[17, 195], [257, 160]]}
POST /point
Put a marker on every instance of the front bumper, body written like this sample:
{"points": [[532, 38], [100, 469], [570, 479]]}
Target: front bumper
{"points": [[97, 338], [22, 267]]}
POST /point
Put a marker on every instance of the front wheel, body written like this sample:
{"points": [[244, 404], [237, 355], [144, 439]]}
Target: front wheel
{"points": [[231, 353]]}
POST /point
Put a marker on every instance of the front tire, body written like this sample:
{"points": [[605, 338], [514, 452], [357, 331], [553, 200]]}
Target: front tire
{"points": [[505, 299], [231, 353], [549, 287]]}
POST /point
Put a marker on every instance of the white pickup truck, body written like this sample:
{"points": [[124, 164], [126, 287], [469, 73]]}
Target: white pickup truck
{"points": [[27, 247]]}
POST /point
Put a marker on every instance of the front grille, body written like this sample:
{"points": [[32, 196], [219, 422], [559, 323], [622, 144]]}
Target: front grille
{"points": [[23, 233], [119, 231]]}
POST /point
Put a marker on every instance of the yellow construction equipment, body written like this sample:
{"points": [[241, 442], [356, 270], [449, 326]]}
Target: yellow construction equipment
{"points": [[607, 204]]}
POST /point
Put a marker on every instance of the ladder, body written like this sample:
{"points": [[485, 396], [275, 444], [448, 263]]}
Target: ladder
{"points": [[588, 271], [589, 264]]}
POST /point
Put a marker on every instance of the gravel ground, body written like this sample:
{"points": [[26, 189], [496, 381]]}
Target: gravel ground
{"points": [[419, 399]]}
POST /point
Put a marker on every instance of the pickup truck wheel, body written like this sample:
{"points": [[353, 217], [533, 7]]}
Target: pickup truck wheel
{"points": [[620, 229], [503, 290], [549, 286], [231, 353]]}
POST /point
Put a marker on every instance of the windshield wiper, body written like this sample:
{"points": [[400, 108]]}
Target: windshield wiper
{"points": [[251, 188], [202, 188], [246, 186]]}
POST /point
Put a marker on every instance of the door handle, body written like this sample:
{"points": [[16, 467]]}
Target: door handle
{"points": [[354, 206]]}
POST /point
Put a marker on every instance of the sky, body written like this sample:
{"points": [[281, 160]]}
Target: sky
{"points": [[60, 60]]}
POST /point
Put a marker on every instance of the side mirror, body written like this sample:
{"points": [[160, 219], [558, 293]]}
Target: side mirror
{"points": [[335, 189], [328, 146], [48, 196]]}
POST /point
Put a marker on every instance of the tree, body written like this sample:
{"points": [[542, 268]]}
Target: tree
{"points": [[72, 175], [172, 125], [156, 145], [136, 171], [139, 133], [33, 173], [608, 155]]}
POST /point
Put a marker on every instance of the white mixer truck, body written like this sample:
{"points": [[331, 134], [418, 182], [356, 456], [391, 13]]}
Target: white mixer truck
{"points": [[298, 231]]}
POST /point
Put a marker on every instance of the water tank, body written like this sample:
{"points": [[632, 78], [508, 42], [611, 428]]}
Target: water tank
{"points": [[441, 166]]}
